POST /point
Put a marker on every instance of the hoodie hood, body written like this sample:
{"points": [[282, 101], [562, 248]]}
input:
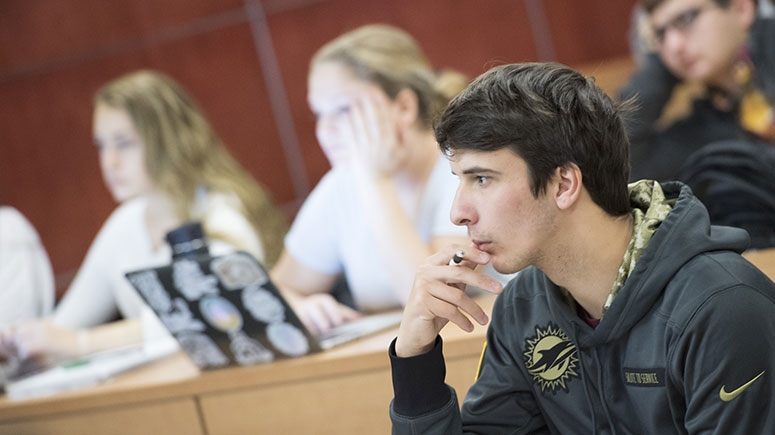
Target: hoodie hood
{"points": [[685, 233]]}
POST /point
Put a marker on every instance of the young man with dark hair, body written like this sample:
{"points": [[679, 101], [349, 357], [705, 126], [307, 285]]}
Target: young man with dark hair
{"points": [[632, 314]]}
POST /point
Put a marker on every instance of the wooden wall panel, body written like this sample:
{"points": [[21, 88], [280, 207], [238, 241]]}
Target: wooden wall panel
{"points": [[589, 30], [49, 165], [35, 33]]}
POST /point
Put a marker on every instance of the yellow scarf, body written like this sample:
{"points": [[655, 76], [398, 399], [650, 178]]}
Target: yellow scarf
{"points": [[757, 115]]}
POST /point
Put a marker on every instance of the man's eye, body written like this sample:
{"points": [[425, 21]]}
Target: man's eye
{"points": [[682, 23], [685, 20], [481, 179], [659, 35]]}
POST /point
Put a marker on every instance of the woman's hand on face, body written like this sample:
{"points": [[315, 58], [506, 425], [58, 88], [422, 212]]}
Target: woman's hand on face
{"points": [[370, 133]]}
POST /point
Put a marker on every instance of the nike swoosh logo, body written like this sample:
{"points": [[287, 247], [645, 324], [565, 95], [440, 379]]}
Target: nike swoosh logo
{"points": [[726, 397]]}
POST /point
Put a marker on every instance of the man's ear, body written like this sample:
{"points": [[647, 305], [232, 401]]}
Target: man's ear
{"points": [[408, 107], [569, 185], [746, 11]]}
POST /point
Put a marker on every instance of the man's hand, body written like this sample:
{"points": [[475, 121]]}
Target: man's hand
{"points": [[438, 297]]}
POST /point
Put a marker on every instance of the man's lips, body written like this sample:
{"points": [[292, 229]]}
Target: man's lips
{"points": [[482, 245], [687, 63]]}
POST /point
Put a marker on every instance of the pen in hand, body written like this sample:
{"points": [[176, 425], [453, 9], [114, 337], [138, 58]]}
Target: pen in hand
{"points": [[457, 258]]}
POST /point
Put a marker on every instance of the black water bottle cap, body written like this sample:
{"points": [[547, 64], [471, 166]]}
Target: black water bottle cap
{"points": [[187, 240]]}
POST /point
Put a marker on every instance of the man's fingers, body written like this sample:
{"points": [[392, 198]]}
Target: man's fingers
{"points": [[451, 304], [453, 314], [469, 277], [438, 297], [471, 257]]}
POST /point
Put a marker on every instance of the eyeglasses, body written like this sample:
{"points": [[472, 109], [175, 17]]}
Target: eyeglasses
{"points": [[682, 23]]}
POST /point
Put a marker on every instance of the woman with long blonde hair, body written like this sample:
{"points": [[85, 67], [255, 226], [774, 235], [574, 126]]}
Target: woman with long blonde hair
{"points": [[384, 206], [185, 158], [164, 164]]}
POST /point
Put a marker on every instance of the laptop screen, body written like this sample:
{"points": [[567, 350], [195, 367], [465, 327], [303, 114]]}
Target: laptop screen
{"points": [[224, 310]]}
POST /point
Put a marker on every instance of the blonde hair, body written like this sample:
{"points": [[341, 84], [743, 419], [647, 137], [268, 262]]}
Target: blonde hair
{"points": [[390, 58], [183, 154]]}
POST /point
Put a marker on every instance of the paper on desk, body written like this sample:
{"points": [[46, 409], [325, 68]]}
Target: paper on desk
{"points": [[88, 372]]}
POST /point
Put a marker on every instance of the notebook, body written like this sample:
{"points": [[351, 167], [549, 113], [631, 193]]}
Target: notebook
{"points": [[87, 371], [225, 311]]}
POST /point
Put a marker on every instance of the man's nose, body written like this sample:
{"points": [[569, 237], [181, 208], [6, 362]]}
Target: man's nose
{"points": [[461, 212], [673, 41]]}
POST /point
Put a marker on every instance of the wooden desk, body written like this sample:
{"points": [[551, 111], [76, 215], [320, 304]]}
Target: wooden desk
{"points": [[340, 391]]}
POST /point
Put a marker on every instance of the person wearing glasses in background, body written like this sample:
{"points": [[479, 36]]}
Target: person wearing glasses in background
{"points": [[724, 51], [719, 44]]}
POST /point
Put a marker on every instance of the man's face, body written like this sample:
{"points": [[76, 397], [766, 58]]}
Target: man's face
{"points": [[698, 40], [495, 202]]}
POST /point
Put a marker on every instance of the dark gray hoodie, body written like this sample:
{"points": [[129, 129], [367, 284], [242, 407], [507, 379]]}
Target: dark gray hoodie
{"points": [[687, 346]]}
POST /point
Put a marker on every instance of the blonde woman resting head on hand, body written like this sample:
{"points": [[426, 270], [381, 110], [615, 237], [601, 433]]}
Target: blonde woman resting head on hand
{"points": [[161, 160], [384, 206]]}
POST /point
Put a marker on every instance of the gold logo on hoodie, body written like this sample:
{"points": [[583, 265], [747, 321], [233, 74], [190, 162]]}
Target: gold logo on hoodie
{"points": [[551, 358], [728, 396]]}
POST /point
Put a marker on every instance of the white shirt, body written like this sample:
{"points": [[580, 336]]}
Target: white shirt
{"points": [[331, 233], [100, 290], [26, 278]]}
